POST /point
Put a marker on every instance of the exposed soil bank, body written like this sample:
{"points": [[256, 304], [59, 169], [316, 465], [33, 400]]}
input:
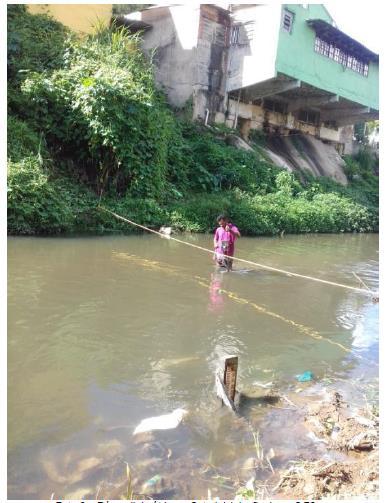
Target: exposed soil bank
{"points": [[304, 152], [355, 433]]}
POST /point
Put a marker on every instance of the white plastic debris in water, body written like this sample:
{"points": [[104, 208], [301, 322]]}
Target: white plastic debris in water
{"points": [[166, 231], [316, 439], [165, 422], [335, 432], [263, 385], [250, 485], [364, 421]]}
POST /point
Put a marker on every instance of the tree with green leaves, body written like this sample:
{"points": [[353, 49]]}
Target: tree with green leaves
{"points": [[123, 9]]}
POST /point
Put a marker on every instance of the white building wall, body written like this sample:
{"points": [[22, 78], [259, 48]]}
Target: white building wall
{"points": [[174, 38], [255, 61]]}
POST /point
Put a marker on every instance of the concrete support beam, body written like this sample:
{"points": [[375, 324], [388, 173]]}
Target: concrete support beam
{"points": [[315, 103], [270, 90], [355, 119], [332, 115]]}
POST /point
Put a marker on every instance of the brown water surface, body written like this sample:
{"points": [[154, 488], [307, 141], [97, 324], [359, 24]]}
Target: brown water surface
{"points": [[106, 331]]}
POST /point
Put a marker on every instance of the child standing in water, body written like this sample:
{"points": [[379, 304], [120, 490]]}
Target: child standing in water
{"points": [[224, 241]]}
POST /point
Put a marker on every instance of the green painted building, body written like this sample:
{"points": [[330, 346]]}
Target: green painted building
{"points": [[311, 49], [299, 70]]}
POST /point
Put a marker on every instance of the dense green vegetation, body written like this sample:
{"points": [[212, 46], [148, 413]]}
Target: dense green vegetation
{"points": [[86, 124]]}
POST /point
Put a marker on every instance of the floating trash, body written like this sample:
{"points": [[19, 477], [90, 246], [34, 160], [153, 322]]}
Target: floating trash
{"points": [[165, 422], [315, 438], [263, 385], [305, 376], [154, 480]]}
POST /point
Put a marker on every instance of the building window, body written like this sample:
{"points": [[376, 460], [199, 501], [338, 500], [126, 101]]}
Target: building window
{"points": [[287, 20], [275, 106], [234, 38], [242, 34], [309, 117], [347, 60]]}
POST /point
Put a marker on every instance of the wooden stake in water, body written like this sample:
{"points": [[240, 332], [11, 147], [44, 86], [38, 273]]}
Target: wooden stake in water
{"points": [[222, 393], [230, 376], [226, 385]]}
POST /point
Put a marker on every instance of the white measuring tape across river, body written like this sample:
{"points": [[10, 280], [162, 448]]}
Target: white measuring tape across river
{"points": [[244, 261]]}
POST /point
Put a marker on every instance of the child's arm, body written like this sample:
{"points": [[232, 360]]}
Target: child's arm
{"points": [[215, 239], [234, 230]]}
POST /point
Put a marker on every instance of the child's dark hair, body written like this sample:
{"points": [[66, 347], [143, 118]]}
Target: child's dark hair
{"points": [[221, 217]]}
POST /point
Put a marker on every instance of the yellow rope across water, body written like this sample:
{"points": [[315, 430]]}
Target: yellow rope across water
{"points": [[159, 266], [256, 264]]}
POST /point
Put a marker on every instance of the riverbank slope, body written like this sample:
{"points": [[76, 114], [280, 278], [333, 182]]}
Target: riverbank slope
{"points": [[87, 126]]}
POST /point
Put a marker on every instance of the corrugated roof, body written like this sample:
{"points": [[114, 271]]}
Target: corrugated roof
{"points": [[334, 36]]}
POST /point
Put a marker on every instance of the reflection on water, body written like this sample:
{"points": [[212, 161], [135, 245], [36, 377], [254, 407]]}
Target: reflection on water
{"points": [[103, 332], [216, 298], [364, 333]]}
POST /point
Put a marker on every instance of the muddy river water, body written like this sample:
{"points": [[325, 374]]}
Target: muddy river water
{"points": [[106, 331]]}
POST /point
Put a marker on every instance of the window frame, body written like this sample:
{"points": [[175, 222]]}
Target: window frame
{"points": [[311, 117], [335, 53], [285, 13], [234, 36]]}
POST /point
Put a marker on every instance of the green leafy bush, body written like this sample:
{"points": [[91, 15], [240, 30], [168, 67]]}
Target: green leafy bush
{"points": [[103, 109], [35, 205], [273, 213], [40, 203], [217, 166], [35, 43], [22, 141], [199, 212]]}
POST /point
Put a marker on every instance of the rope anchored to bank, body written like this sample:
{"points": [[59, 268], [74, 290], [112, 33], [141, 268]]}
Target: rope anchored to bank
{"points": [[244, 261]]}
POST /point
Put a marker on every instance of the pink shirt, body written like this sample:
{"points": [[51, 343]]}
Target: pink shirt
{"points": [[222, 235]]}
